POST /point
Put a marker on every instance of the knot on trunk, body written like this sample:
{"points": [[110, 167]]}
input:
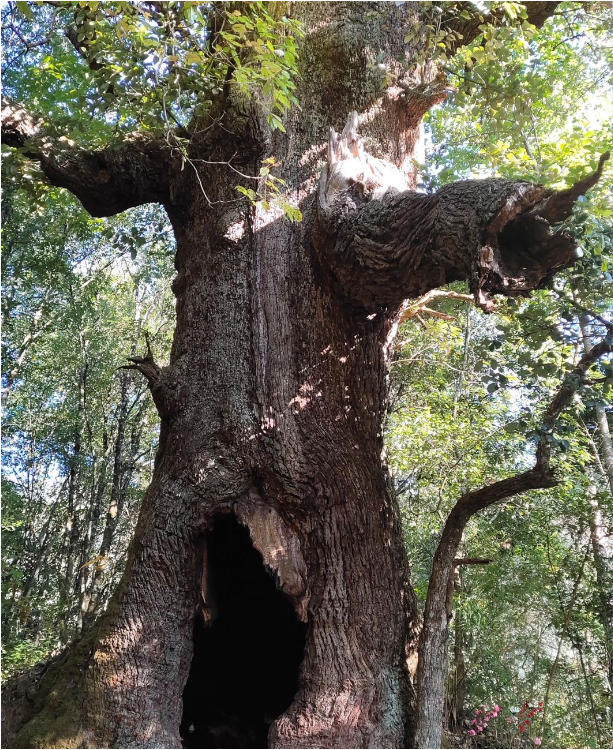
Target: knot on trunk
{"points": [[353, 175]]}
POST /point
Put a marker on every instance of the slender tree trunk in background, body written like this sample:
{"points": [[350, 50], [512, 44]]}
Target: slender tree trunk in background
{"points": [[41, 543], [99, 482], [588, 690], [92, 577], [600, 535], [272, 405], [73, 533], [606, 444], [123, 469], [556, 661], [603, 563], [460, 672], [600, 413]]}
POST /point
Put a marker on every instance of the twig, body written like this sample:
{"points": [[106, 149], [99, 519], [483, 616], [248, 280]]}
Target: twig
{"points": [[586, 310], [420, 305]]}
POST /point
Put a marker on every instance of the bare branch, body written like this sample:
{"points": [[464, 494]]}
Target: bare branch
{"points": [[106, 181], [159, 380], [420, 305]]}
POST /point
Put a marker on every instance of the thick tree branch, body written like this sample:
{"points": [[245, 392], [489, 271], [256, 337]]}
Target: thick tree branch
{"points": [[471, 561], [433, 648], [384, 246], [106, 181]]}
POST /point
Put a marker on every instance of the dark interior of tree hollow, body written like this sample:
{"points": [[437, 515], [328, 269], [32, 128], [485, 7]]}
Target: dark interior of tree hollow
{"points": [[244, 672]]}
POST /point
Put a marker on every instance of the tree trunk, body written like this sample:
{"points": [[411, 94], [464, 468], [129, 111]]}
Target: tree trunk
{"points": [[460, 672], [72, 534], [603, 564], [272, 406], [116, 502], [277, 400], [600, 535]]}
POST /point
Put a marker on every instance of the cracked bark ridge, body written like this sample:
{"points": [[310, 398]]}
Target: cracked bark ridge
{"points": [[384, 243]]}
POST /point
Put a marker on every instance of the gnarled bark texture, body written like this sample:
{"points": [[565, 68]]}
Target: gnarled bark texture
{"points": [[273, 400]]}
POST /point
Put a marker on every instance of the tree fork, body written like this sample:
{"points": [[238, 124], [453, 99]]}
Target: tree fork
{"points": [[277, 385]]}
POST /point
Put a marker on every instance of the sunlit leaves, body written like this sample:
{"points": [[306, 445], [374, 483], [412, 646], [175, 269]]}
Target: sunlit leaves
{"points": [[537, 106], [150, 65]]}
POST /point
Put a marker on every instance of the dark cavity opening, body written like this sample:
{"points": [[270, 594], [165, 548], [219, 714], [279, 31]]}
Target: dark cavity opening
{"points": [[244, 672]]}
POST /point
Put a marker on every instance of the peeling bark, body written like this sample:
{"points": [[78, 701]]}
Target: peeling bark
{"points": [[280, 549]]}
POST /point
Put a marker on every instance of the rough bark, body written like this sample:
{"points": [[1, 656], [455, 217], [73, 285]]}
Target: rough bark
{"points": [[494, 233], [273, 400], [106, 181]]}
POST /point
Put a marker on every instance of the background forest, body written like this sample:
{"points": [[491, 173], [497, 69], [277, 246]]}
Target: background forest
{"points": [[532, 651]]}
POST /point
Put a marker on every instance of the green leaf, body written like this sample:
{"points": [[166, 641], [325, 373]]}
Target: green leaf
{"points": [[24, 8]]}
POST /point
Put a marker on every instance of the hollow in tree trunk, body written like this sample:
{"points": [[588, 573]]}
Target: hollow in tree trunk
{"points": [[270, 466]]}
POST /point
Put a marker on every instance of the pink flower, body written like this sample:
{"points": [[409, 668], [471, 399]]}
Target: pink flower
{"points": [[537, 740], [496, 708], [479, 729], [474, 721], [477, 712], [484, 724], [472, 732]]}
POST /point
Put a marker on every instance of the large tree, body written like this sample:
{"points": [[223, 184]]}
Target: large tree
{"points": [[272, 403]]}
